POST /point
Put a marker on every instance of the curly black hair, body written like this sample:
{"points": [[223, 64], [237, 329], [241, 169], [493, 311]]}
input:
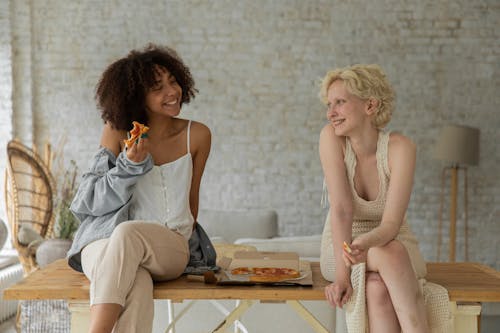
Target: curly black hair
{"points": [[121, 91]]}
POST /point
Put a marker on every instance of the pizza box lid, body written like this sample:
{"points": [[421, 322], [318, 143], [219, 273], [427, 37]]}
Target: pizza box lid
{"points": [[265, 259]]}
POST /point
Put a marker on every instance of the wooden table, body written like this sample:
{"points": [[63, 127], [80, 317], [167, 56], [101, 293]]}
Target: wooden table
{"points": [[468, 285]]}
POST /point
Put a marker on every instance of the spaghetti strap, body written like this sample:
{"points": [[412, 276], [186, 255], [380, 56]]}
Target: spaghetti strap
{"points": [[188, 136], [383, 150]]}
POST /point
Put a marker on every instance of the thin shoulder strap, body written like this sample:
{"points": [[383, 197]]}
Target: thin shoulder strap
{"points": [[383, 152], [189, 136]]}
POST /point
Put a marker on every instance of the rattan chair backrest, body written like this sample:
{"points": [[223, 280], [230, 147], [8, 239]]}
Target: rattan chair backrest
{"points": [[29, 195]]}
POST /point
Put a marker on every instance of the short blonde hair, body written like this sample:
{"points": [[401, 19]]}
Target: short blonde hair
{"points": [[364, 81]]}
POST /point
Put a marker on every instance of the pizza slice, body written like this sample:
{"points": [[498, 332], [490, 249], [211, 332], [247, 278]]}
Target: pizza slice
{"points": [[347, 248], [272, 274], [241, 271], [138, 130], [269, 278], [289, 272]]}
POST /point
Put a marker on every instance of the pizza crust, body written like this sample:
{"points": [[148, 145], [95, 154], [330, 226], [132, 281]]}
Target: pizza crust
{"points": [[347, 247], [267, 274]]}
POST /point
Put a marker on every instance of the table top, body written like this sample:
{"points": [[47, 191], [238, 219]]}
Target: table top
{"points": [[466, 282]]}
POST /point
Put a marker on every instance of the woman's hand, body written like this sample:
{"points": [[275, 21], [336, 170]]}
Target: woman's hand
{"points": [[357, 255], [139, 150], [339, 292]]}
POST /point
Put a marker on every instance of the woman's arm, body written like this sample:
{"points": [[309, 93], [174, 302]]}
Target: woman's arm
{"points": [[401, 160], [108, 184], [112, 139], [339, 194], [201, 139]]}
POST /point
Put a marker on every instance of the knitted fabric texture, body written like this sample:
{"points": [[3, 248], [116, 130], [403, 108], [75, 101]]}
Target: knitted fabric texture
{"points": [[367, 216]]}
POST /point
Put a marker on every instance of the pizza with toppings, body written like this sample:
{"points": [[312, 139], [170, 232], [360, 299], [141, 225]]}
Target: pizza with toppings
{"points": [[138, 130], [241, 271], [267, 274]]}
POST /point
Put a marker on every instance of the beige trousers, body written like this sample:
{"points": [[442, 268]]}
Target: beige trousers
{"points": [[122, 268]]}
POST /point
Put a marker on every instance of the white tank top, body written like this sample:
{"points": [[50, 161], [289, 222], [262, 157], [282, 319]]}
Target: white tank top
{"points": [[162, 194]]}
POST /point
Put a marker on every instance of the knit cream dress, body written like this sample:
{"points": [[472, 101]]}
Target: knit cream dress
{"points": [[366, 216]]}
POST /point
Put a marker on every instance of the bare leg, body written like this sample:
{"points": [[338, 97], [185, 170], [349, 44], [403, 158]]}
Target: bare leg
{"points": [[103, 317], [379, 305], [393, 264]]}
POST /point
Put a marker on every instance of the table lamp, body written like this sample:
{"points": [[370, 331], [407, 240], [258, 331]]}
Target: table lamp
{"points": [[458, 146]]}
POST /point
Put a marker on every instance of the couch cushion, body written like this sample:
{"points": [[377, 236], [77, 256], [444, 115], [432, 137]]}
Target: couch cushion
{"points": [[305, 246], [231, 225]]}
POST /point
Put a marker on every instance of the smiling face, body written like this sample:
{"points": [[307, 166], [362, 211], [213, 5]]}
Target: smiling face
{"points": [[345, 111], [164, 97]]}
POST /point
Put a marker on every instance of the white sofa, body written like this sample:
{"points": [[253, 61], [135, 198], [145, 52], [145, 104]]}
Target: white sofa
{"points": [[258, 228]]}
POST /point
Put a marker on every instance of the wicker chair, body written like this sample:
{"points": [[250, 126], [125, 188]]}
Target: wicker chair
{"points": [[29, 190]]}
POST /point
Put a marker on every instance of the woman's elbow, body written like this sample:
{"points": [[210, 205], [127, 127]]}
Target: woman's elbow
{"points": [[342, 212]]}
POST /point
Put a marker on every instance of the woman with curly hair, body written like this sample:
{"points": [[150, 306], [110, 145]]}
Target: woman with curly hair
{"points": [[138, 205], [369, 177]]}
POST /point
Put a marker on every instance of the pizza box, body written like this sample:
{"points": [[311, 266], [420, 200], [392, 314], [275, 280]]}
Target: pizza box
{"points": [[253, 259], [263, 259]]}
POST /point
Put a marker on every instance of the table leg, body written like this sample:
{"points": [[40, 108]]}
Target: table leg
{"points": [[466, 317], [174, 319], [234, 315], [238, 326], [307, 316], [171, 320], [80, 316]]}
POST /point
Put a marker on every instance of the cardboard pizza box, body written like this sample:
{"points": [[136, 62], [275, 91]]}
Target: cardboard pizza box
{"points": [[225, 278], [265, 259]]}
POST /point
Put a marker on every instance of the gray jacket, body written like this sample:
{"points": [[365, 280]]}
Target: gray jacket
{"points": [[103, 199]]}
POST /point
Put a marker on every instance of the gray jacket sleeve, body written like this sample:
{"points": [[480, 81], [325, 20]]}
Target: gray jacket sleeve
{"points": [[108, 184]]}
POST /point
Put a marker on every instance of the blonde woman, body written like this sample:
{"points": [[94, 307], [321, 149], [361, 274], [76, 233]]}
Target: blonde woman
{"points": [[369, 176]]}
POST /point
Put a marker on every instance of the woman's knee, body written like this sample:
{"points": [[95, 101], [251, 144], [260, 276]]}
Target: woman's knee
{"points": [[393, 253], [376, 290], [124, 231]]}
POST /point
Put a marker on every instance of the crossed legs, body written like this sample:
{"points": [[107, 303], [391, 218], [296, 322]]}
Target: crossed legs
{"points": [[394, 299], [381, 314], [121, 270]]}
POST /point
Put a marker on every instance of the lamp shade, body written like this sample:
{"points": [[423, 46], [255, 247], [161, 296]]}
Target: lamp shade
{"points": [[458, 145]]}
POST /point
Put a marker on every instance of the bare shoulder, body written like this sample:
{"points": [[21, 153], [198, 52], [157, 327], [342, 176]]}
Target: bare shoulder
{"points": [[329, 140], [200, 130], [398, 142], [327, 132], [112, 138], [200, 138], [401, 151]]}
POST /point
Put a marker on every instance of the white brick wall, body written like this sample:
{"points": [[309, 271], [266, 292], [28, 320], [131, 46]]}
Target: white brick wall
{"points": [[257, 64], [5, 94]]}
